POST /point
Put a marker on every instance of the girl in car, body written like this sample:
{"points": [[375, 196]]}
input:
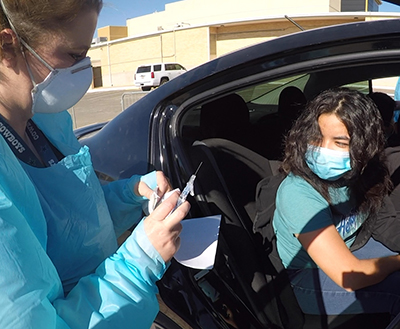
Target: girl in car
{"points": [[336, 182], [61, 266]]}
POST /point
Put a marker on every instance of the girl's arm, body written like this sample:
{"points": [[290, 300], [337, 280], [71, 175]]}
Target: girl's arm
{"points": [[328, 250]]}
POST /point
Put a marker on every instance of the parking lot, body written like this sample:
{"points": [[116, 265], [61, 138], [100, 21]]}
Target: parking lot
{"points": [[100, 105]]}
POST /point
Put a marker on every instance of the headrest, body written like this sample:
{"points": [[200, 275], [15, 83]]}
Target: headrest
{"points": [[291, 102], [386, 106], [224, 116]]}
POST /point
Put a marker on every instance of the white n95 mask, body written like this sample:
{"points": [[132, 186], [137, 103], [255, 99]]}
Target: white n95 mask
{"points": [[62, 88]]}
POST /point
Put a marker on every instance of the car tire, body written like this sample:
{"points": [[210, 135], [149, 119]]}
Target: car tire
{"points": [[162, 321], [163, 80], [146, 88]]}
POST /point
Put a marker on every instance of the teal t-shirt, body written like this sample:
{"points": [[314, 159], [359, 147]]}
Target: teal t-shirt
{"points": [[300, 209]]}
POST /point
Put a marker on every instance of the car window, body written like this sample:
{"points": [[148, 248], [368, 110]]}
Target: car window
{"points": [[361, 86], [179, 67], [157, 67], [143, 69], [261, 99], [268, 93], [169, 67]]}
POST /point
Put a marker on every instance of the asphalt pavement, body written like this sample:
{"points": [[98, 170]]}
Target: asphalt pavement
{"points": [[103, 104]]}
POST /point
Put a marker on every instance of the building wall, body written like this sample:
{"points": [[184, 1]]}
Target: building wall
{"points": [[119, 60], [335, 6], [192, 45], [373, 5], [113, 32], [239, 36], [197, 12]]}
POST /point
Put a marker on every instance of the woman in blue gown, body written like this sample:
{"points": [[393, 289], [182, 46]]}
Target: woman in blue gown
{"points": [[61, 265]]}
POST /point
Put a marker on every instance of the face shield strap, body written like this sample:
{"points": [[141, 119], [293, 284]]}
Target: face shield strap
{"points": [[29, 70], [34, 53]]}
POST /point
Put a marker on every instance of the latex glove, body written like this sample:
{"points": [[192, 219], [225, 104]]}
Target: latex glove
{"points": [[163, 228], [163, 186]]}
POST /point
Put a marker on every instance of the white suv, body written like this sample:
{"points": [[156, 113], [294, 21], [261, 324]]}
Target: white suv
{"points": [[154, 75]]}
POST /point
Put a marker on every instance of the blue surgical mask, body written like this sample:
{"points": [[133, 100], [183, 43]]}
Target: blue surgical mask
{"points": [[326, 163]]}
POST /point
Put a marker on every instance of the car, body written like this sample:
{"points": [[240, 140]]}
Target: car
{"points": [[225, 114], [156, 74]]}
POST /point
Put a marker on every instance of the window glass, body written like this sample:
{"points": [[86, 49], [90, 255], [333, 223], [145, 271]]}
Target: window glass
{"points": [[261, 99], [268, 93], [157, 67], [384, 85], [387, 85], [361, 86], [143, 69]]}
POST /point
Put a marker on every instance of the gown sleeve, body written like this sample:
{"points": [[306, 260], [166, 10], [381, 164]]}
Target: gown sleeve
{"points": [[120, 294], [124, 205], [122, 291]]}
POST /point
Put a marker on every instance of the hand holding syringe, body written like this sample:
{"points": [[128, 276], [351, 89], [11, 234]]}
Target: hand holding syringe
{"points": [[155, 200]]}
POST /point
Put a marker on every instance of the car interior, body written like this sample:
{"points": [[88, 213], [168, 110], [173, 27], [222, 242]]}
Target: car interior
{"points": [[239, 138]]}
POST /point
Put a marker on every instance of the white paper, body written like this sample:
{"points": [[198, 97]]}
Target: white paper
{"points": [[199, 240]]}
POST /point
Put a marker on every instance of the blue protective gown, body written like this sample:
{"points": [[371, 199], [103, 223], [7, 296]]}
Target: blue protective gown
{"points": [[59, 226]]}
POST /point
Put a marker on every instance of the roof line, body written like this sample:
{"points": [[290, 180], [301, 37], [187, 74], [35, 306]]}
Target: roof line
{"points": [[355, 14]]}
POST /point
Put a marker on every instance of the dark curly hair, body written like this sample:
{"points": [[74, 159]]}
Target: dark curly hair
{"points": [[368, 180]]}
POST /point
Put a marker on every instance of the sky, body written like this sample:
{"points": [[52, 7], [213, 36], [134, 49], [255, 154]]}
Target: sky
{"points": [[116, 12]]}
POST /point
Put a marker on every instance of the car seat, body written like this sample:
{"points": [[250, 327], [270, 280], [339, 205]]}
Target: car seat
{"points": [[240, 167], [227, 118], [226, 185], [290, 105], [227, 166]]}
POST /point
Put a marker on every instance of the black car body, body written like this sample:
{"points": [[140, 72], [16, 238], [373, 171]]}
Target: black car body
{"points": [[165, 130]]}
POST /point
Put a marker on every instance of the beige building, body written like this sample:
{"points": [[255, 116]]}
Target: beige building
{"points": [[192, 32]]}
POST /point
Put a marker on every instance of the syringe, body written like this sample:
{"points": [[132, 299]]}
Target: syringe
{"points": [[189, 188]]}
